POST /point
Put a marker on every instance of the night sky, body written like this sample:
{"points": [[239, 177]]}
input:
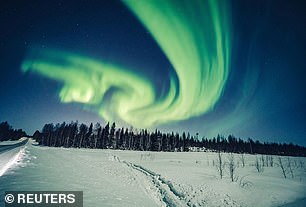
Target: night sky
{"points": [[207, 67]]}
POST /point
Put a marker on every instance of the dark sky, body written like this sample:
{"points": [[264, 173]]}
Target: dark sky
{"points": [[264, 96]]}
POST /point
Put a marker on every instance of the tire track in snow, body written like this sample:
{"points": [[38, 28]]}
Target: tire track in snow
{"points": [[167, 193]]}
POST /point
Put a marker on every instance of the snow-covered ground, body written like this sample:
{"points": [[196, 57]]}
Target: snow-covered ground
{"points": [[10, 153], [129, 178], [12, 142]]}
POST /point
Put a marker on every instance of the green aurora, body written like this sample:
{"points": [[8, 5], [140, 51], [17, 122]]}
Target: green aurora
{"points": [[194, 36]]}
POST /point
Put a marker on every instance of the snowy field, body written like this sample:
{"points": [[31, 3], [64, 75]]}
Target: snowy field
{"points": [[129, 178]]}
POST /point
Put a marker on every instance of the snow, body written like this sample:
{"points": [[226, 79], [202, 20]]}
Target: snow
{"points": [[129, 178], [9, 159], [13, 142], [193, 175]]}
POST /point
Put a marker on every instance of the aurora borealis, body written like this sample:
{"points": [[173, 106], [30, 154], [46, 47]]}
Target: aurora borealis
{"points": [[197, 48], [229, 67]]}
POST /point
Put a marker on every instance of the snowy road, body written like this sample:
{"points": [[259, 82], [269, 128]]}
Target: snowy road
{"points": [[4, 148], [10, 152]]}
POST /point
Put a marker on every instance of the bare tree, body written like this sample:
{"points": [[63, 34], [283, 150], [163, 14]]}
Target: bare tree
{"points": [[263, 161], [271, 161], [220, 165], [302, 164], [267, 160], [231, 165], [290, 167], [258, 165], [207, 160], [242, 158], [280, 162]]}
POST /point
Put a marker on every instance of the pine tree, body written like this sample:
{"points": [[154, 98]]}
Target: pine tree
{"points": [[106, 136], [112, 137]]}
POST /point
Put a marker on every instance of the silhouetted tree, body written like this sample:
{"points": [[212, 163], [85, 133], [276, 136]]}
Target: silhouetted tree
{"points": [[80, 135], [8, 133]]}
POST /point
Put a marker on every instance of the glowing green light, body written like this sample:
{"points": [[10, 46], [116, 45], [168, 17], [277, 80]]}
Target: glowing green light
{"points": [[194, 35]]}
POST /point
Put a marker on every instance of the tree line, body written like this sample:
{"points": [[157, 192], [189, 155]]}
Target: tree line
{"points": [[8, 133], [97, 136]]}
